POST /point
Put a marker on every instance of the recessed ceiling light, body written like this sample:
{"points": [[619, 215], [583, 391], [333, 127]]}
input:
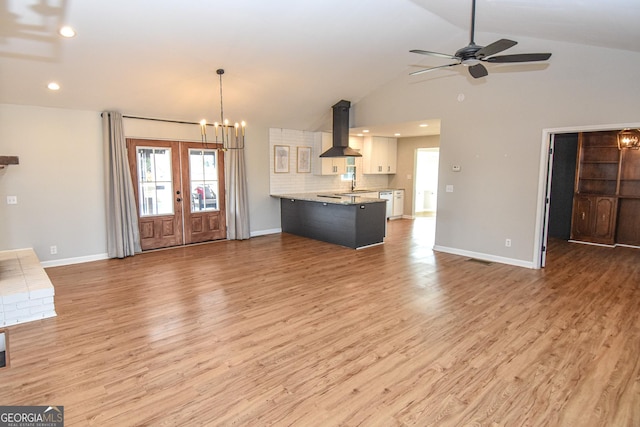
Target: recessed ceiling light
{"points": [[365, 130], [423, 125], [396, 134], [67, 31], [53, 86], [359, 134]]}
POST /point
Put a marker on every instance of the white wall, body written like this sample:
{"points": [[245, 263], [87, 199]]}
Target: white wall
{"points": [[60, 186], [406, 158], [59, 182], [495, 134]]}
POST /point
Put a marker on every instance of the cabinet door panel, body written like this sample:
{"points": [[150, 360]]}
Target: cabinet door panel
{"points": [[603, 220], [582, 217], [392, 155]]}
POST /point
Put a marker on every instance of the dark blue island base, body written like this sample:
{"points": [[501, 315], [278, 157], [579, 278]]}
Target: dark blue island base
{"points": [[354, 225]]}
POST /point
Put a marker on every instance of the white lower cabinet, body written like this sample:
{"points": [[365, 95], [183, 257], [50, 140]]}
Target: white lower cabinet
{"points": [[398, 203]]}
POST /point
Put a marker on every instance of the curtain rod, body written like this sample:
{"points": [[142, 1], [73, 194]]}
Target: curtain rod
{"points": [[157, 120], [172, 121], [161, 120]]}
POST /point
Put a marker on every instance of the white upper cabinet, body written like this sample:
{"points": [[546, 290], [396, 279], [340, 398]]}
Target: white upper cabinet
{"points": [[380, 155], [322, 141]]}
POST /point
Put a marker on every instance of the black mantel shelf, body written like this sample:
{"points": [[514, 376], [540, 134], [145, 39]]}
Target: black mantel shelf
{"points": [[8, 160]]}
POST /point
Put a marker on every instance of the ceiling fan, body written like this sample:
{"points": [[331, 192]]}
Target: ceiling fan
{"points": [[473, 55]]}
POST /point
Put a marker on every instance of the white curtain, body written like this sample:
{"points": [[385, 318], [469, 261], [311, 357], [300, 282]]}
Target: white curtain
{"points": [[123, 236], [237, 197]]}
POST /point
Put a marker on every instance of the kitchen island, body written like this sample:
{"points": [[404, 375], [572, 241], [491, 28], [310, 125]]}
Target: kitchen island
{"points": [[350, 221]]}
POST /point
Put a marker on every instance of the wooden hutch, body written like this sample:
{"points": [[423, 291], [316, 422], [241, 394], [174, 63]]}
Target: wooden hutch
{"points": [[606, 202]]}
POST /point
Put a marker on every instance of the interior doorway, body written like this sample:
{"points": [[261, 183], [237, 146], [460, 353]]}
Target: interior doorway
{"points": [[425, 197], [547, 179], [180, 192]]}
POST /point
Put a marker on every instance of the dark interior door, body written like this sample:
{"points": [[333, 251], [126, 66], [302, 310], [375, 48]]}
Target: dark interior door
{"points": [[562, 185]]}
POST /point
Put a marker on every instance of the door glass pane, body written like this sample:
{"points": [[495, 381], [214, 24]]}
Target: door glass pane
{"points": [[155, 186], [203, 178]]}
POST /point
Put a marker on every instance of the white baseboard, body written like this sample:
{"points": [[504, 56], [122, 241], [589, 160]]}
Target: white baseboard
{"points": [[265, 232], [98, 257], [77, 260], [484, 257]]}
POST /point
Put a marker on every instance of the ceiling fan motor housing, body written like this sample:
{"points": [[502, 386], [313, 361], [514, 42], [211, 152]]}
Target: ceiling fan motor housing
{"points": [[472, 55], [467, 54]]}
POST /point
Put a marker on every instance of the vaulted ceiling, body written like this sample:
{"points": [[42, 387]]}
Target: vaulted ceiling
{"points": [[286, 61]]}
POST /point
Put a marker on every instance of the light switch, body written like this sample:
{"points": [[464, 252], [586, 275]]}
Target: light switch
{"points": [[12, 200], [449, 188]]}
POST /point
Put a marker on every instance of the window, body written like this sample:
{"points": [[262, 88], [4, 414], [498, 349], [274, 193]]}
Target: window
{"points": [[350, 169], [203, 180], [155, 185]]}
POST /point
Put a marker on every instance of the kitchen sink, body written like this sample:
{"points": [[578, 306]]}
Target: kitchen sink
{"points": [[358, 193]]}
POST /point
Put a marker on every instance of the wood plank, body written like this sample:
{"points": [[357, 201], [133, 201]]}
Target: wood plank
{"points": [[285, 330]]}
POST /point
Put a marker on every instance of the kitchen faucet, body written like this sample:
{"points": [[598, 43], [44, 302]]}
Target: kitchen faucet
{"points": [[353, 180]]}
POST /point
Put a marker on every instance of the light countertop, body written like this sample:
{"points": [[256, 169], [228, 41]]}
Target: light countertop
{"points": [[329, 197]]}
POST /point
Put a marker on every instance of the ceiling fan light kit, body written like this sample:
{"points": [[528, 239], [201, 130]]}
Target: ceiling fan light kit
{"points": [[473, 55]]}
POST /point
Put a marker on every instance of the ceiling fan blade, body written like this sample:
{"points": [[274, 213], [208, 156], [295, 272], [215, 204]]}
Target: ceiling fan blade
{"points": [[495, 47], [439, 55], [522, 57], [478, 71], [415, 73]]}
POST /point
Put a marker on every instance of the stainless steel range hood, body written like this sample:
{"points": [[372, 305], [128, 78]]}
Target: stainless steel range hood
{"points": [[340, 146]]}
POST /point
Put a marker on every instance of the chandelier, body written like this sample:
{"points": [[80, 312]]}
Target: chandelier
{"points": [[629, 138], [223, 129]]}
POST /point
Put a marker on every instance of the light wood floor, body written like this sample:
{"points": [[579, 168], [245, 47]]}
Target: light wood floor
{"points": [[282, 330]]}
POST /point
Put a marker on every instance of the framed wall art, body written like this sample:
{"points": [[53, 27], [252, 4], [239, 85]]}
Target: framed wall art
{"points": [[281, 158], [304, 160]]}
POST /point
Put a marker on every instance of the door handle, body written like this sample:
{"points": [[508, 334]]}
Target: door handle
{"points": [[178, 199], [178, 192]]}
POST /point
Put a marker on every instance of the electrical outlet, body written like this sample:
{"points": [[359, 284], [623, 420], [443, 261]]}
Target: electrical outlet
{"points": [[507, 243], [53, 250], [12, 200]]}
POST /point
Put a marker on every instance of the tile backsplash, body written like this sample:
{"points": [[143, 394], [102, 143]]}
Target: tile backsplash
{"points": [[296, 182]]}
